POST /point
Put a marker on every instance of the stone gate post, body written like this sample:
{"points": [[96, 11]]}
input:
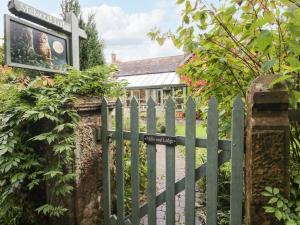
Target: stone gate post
{"points": [[88, 164], [85, 204], [267, 147]]}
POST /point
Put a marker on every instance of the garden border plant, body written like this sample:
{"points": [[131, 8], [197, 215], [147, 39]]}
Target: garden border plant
{"points": [[37, 124], [232, 45]]}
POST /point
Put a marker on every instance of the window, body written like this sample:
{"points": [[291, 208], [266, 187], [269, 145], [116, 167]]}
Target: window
{"points": [[179, 96], [142, 99], [158, 96], [166, 95]]}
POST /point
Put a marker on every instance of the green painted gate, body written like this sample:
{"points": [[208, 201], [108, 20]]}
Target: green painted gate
{"points": [[218, 152]]}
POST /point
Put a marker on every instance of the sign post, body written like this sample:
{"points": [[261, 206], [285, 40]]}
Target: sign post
{"points": [[69, 27], [73, 20]]}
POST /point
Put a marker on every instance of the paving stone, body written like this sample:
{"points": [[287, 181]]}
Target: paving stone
{"points": [[160, 214], [161, 186]]}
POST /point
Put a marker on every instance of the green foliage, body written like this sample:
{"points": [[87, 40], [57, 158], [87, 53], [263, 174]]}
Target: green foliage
{"points": [[142, 173], [223, 198], [232, 45], [70, 6], [37, 123], [224, 174], [91, 49], [127, 175], [96, 81], [51, 210], [295, 141], [25, 151], [284, 209], [1, 56]]}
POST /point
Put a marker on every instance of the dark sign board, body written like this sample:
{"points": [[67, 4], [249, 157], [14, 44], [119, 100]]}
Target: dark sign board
{"points": [[32, 14], [159, 140], [33, 47]]}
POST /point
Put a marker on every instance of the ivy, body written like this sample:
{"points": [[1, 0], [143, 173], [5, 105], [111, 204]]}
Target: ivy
{"points": [[37, 124]]}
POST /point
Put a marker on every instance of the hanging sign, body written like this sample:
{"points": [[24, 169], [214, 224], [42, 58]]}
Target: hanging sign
{"points": [[22, 10], [32, 47], [49, 48], [159, 140]]}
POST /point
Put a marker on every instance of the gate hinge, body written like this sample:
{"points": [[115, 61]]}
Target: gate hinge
{"points": [[98, 134]]}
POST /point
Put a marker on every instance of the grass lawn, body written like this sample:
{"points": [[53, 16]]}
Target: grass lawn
{"points": [[180, 129]]}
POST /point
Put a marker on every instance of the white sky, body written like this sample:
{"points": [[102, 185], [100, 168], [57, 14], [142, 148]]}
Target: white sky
{"points": [[123, 25]]}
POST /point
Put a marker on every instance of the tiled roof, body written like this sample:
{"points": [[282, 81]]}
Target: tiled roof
{"points": [[150, 66]]}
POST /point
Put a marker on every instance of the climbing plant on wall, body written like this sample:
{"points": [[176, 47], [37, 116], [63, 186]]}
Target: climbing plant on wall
{"points": [[37, 139]]}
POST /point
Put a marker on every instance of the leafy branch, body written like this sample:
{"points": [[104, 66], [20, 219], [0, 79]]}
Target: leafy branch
{"points": [[37, 141]]}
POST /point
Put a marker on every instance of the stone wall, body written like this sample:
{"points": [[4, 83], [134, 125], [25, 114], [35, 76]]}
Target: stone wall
{"points": [[88, 165], [85, 205], [267, 147]]}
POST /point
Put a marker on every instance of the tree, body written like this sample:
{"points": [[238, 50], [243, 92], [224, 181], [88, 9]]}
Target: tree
{"points": [[231, 46], [234, 44], [91, 49], [69, 6]]}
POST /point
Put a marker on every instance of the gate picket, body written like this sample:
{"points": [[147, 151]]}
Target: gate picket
{"points": [[212, 163], [127, 222], [134, 126], [190, 132], [151, 163], [170, 164], [119, 162], [237, 158], [217, 154], [106, 167], [113, 220]]}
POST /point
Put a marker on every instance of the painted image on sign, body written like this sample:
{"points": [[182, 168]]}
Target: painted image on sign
{"points": [[33, 47]]}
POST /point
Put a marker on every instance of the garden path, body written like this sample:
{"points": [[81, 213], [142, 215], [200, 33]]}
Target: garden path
{"points": [[160, 180]]}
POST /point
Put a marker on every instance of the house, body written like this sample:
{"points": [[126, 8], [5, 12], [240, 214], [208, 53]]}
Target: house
{"points": [[154, 77]]}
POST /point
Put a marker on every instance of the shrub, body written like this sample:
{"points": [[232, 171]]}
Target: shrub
{"points": [[284, 209], [127, 175], [37, 140]]}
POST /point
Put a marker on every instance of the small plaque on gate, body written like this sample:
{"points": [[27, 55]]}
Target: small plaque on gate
{"points": [[160, 140]]}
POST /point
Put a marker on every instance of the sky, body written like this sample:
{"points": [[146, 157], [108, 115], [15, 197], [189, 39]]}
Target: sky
{"points": [[123, 24]]}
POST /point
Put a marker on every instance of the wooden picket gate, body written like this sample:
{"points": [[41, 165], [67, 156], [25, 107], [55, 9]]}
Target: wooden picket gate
{"points": [[218, 152]]}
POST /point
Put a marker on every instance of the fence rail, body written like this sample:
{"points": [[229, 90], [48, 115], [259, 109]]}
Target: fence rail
{"points": [[218, 152], [224, 145]]}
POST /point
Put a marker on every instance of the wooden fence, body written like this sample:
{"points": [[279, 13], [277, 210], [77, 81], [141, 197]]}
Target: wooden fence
{"points": [[218, 152]]}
